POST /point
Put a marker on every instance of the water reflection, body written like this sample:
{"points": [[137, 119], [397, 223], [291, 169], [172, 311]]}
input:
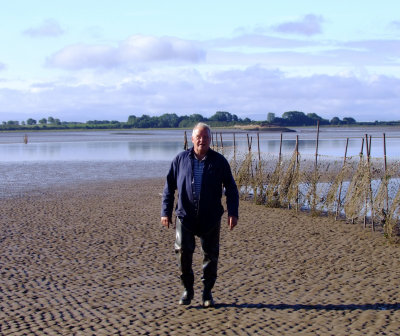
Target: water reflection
{"points": [[164, 145]]}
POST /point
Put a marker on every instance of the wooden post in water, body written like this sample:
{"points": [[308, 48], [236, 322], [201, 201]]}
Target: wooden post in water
{"points": [[341, 182], [280, 149], [370, 184], [297, 167], [361, 155], [368, 147], [370, 140], [234, 148], [222, 144], [258, 144], [185, 142], [387, 182], [316, 146], [366, 197], [249, 144], [315, 182], [25, 139]]}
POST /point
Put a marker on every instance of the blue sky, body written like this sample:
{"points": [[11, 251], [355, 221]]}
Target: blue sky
{"points": [[82, 60]]}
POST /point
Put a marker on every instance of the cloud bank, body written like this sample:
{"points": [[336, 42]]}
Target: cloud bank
{"points": [[136, 49], [251, 92], [48, 28], [308, 25]]}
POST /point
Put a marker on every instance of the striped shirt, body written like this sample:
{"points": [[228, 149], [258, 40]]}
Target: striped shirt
{"points": [[198, 167]]}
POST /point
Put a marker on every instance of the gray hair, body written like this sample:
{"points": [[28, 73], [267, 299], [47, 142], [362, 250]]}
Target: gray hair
{"points": [[202, 125]]}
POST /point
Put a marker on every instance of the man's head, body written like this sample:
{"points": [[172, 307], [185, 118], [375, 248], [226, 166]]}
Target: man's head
{"points": [[201, 138]]}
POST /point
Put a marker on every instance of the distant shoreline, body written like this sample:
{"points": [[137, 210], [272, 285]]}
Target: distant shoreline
{"points": [[251, 127]]}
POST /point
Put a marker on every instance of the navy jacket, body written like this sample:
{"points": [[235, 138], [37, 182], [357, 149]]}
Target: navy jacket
{"points": [[216, 175]]}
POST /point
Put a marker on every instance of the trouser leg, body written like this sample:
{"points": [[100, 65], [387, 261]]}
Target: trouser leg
{"points": [[184, 248], [210, 247]]}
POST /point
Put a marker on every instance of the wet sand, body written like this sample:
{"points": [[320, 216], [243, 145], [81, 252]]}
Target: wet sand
{"points": [[92, 259]]}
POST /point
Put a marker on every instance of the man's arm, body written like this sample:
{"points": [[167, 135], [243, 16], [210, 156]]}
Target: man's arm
{"points": [[232, 195], [168, 197], [232, 222], [166, 221]]}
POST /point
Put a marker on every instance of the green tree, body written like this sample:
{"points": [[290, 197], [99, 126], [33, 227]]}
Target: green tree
{"points": [[31, 121], [314, 118], [168, 120], [221, 116], [50, 120], [43, 121], [296, 118], [270, 117], [145, 121], [349, 120], [196, 118], [132, 119], [335, 121]]}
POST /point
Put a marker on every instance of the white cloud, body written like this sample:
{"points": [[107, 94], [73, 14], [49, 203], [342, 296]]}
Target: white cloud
{"points": [[259, 41], [48, 28], [395, 24], [136, 49], [81, 56], [309, 25]]}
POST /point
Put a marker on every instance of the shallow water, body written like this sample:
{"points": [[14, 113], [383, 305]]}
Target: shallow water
{"points": [[61, 158], [21, 178]]}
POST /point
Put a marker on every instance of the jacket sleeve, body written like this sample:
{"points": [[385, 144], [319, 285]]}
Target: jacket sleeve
{"points": [[231, 191], [169, 191]]}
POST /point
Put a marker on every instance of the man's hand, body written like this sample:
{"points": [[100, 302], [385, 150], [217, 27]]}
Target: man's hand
{"points": [[232, 222], [165, 221]]}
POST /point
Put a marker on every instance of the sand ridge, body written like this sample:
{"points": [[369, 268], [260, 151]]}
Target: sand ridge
{"points": [[93, 259]]}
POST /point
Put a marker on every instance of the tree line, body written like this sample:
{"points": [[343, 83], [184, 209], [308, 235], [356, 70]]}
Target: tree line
{"points": [[172, 120]]}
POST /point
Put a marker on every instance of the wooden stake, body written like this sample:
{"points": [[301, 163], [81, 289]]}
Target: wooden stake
{"points": [[316, 147], [385, 163], [341, 182], [297, 163], [368, 146], [362, 147], [234, 147]]}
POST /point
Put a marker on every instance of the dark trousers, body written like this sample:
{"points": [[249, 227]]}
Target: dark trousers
{"points": [[184, 248]]}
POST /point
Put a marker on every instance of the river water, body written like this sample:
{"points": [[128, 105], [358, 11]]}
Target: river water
{"points": [[61, 158]]}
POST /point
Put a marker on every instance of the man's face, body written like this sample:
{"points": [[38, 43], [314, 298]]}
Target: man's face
{"points": [[201, 140]]}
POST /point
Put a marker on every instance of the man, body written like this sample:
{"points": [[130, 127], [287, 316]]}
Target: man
{"points": [[199, 174]]}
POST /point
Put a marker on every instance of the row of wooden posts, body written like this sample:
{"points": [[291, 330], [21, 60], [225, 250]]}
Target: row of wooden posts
{"points": [[217, 142]]}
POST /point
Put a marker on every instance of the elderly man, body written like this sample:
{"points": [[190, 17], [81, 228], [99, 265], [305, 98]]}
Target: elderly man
{"points": [[199, 174]]}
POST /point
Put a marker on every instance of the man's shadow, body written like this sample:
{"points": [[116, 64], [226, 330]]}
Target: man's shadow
{"points": [[327, 307]]}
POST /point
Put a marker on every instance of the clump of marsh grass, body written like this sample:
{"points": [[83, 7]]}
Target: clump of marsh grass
{"points": [[359, 195], [244, 175], [312, 178], [333, 201], [259, 182], [391, 227], [287, 181], [272, 191]]}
